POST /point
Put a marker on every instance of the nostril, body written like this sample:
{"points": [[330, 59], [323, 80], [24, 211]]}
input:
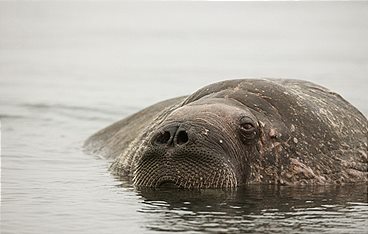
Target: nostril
{"points": [[169, 136], [182, 137], [163, 138]]}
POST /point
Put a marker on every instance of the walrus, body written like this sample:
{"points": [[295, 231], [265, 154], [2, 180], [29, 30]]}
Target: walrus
{"points": [[239, 132]]}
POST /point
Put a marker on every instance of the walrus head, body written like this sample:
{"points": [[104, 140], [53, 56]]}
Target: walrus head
{"points": [[240, 132], [207, 142], [213, 139], [204, 144]]}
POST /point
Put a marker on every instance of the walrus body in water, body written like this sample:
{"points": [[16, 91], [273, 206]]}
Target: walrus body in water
{"points": [[240, 132]]}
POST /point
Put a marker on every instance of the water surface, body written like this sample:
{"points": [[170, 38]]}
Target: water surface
{"points": [[69, 69]]}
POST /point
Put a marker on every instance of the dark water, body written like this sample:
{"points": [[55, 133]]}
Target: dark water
{"points": [[69, 69], [258, 209]]}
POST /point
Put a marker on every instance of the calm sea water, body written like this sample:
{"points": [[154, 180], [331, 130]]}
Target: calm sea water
{"points": [[69, 69]]}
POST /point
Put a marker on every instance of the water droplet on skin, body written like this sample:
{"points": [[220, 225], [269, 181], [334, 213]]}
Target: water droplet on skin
{"points": [[292, 128], [221, 141], [295, 140], [273, 133]]}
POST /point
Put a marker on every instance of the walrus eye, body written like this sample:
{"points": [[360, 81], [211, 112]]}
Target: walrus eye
{"points": [[247, 126], [248, 131]]}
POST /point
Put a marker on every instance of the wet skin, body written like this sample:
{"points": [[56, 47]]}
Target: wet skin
{"points": [[240, 132]]}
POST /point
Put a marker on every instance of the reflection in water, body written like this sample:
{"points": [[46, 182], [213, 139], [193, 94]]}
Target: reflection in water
{"points": [[257, 209]]}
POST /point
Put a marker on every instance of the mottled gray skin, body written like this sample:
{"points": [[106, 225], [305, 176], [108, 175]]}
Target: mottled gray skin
{"points": [[239, 132]]}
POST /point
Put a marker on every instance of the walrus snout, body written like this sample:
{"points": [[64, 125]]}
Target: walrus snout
{"points": [[171, 135], [186, 153]]}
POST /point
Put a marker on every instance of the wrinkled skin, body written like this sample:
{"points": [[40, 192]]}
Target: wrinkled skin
{"points": [[240, 132]]}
